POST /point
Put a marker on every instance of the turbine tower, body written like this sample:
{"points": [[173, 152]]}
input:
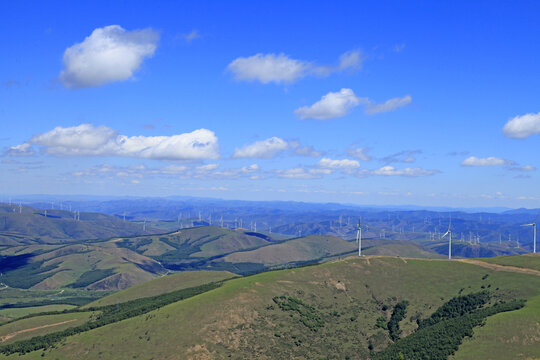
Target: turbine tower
{"points": [[534, 234], [359, 238], [449, 233]]}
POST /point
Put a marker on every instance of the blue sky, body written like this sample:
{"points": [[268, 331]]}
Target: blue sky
{"points": [[429, 103]]}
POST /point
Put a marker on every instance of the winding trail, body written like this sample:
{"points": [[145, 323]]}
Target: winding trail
{"points": [[498, 267], [5, 338]]}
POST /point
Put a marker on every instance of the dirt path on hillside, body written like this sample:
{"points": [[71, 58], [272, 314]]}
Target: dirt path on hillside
{"points": [[498, 267], [9, 336]]}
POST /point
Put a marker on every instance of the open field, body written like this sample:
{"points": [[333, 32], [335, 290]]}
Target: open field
{"points": [[40, 325], [163, 285], [240, 319], [530, 261]]}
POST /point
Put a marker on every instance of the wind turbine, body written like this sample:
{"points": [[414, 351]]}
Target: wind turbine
{"points": [[534, 234], [359, 238], [449, 233]]}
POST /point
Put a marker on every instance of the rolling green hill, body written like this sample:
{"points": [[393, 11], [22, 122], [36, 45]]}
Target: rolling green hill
{"points": [[163, 285], [304, 249], [94, 266], [530, 261], [331, 310], [37, 226]]}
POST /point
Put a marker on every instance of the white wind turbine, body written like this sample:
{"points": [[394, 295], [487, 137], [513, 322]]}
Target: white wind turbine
{"points": [[359, 238], [534, 234], [449, 233]]}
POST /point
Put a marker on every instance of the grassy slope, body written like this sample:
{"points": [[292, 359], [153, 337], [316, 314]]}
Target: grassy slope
{"points": [[405, 249], [240, 321], [201, 242], [511, 335], [19, 330], [72, 261], [31, 226], [300, 249], [15, 313], [163, 285], [525, 261]]}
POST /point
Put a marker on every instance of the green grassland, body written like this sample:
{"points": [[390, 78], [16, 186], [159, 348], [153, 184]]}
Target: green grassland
{"points": [[333, 314], [307, 248], [40, 325], [530, 261], [405, 249], [163, 285], [31, 226], [78, 265], [509, 335], [198, 242], [15, 313]]}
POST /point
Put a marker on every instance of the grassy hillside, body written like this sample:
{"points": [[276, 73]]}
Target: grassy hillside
{"points": [[309, 248], [193, 243], [94, 266], [530, 261], [33, 226], [407, 249], [324, 311], [163, 285]]}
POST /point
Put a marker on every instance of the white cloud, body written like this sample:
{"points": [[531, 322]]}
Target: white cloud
{"points": [[20, 150], [207, 167], [268, 68], [172, 170], [87, 140], [359, 153], [264, 149], [409, 172], [109, 54], [344, 164], [280, 68], [350, 60], [521, 127], [297, 173], [339, 104], [524, 168], [331, 105], [488, 161], [389, 105]]}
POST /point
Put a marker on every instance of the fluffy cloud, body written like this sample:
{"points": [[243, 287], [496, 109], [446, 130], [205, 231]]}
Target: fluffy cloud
{"points": [[409, 172], [523, 126], [267, 68], [20, 150], [264, 149], [87, 140], [331, 106], [489, 161], [389, 105], [344, 164], [339, 104], [109, 54]]}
